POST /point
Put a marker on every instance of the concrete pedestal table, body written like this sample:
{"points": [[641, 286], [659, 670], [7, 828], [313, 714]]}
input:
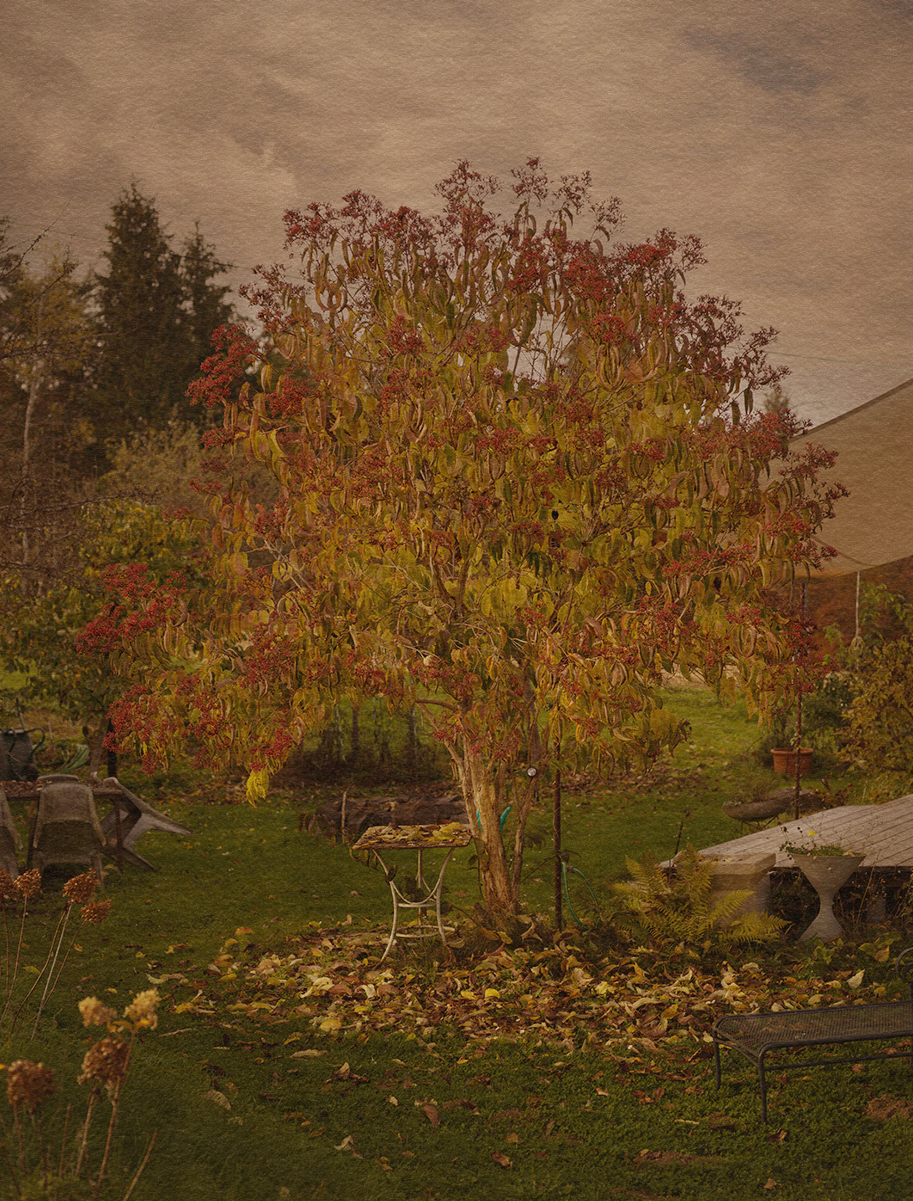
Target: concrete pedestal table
{"points": [[826, 874], [419, 839]]}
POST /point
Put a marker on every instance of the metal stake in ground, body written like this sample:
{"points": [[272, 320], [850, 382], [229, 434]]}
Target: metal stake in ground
{"points": [[798, 785]]}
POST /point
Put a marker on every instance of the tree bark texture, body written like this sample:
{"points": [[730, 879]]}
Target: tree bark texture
{"points": [[483, 794]]}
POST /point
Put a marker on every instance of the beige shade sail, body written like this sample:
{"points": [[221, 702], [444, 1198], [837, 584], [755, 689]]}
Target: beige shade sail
{"points": [[874, 444]]}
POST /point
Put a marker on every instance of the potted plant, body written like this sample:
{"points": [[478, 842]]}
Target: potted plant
{"points": [[826, 866], [785, 760], [783, 743]]}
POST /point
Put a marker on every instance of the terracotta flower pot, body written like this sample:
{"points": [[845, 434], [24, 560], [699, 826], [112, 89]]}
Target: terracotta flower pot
{"points": [[785, 761], [826, 873]]}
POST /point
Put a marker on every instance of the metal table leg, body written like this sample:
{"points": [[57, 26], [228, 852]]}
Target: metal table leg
{"points": [[431, 898]]}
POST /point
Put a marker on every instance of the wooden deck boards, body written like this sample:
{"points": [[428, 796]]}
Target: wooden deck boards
{"points": [[884, 833]]}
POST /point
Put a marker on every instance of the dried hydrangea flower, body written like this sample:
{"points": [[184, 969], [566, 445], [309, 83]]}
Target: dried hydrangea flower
{"points": [[94, 1013], [96, 911], [29, 883], [7, 886], [105, 1062], [141, 1010], [81, 888], [28, 1084]]}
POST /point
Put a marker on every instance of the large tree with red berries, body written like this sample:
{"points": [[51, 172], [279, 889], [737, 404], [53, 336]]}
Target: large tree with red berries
{"points": [[517, 479]]}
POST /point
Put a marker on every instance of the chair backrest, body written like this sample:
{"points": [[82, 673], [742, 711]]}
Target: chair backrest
{"points": [[6, 822], [66, 802]]}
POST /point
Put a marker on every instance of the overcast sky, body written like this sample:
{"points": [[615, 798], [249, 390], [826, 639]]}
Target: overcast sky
{"points": [[781, 133]]}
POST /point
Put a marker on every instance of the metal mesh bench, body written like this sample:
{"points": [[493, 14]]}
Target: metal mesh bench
{"points": [[758, 1036]]}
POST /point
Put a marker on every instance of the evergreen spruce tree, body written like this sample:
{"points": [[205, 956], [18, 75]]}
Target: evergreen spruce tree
{"points": [[204, 300], [157, 310]]}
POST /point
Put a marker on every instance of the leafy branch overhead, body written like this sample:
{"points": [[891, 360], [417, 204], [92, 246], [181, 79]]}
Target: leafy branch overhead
{"points": [[516, 478]]}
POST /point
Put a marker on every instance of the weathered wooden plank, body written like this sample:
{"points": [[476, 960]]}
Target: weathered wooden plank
{"points": [[883, 832]]}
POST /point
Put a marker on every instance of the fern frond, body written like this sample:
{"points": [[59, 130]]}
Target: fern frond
{"points": [[754, 927], [677, 907], [728, 906]]}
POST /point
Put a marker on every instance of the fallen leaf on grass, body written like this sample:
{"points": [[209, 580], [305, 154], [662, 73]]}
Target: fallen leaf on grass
{"points": [[771, 1183], [664, 1158], [431, 1113], [779, 1136], [882, 1108], [348, 1144], [722, 1121], [502, 1159], [218, 1098], [310, 1054], [346, 1073]]}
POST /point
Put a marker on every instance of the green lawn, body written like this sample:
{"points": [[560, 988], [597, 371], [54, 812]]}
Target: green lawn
{"points": [[419, 1108]]}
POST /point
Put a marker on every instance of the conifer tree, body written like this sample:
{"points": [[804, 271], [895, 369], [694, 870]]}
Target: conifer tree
{"points": [[157, 311]]}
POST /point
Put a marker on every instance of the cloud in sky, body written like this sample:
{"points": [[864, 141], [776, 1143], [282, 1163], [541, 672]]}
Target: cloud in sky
{"points": [[779, 133]]}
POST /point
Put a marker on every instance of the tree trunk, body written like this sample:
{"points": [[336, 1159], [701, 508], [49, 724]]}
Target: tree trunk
{"points": [[412, 745], [483, 795], [524, 800], [525, 797], [97, 746], [112, 755], [355, 743]]}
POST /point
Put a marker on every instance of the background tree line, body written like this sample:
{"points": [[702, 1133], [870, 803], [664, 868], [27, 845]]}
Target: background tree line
{"points": [[100, 437]]}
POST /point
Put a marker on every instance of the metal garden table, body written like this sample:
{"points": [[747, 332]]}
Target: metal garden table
{"points": [[419, 839]]}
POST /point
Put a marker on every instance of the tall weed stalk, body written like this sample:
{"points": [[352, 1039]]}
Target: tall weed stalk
{"points": [[30, 1165], [79, 890]]}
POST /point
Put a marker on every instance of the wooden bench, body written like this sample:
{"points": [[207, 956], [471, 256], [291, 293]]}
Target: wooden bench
{"points": [[757, 1036]]}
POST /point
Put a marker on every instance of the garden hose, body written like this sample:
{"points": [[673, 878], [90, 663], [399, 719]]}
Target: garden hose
{"points": [[503, 817], [567, 895]]}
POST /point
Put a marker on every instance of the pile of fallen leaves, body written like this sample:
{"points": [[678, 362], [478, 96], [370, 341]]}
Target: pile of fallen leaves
{"points": [[332, 980]]}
